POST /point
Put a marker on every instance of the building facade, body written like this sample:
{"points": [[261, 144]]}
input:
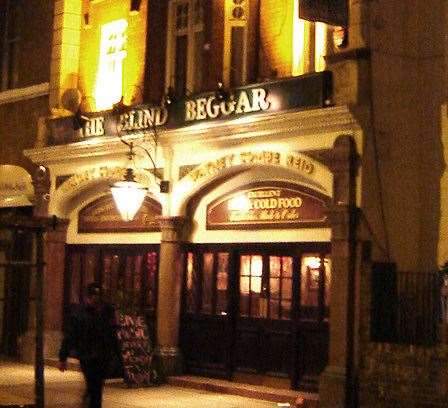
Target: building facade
{"points": [[25, 49], [285, 146]]}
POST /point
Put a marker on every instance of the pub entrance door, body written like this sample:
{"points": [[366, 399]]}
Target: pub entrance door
{"points": [[257, 310], [127, 274]]}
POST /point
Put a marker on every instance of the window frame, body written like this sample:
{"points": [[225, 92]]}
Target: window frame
{"points": [[10, 44], [193, 27]]}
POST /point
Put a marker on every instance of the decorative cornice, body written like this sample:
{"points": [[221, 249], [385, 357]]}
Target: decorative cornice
{"points": [[21, 94], [264, 127]]}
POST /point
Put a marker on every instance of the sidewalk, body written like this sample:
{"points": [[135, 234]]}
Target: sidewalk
{"points": [[64, 390]]}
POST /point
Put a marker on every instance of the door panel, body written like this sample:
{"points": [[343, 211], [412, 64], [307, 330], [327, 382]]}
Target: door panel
{"points": [[312, 330], [206, 330], [263, 323], [258, 312]]}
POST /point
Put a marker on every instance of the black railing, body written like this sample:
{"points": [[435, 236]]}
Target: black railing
{"points": [[406, 306], [418, 308]]}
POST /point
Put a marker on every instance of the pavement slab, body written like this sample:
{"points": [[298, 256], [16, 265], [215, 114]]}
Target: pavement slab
{"points": [[65, 390]]}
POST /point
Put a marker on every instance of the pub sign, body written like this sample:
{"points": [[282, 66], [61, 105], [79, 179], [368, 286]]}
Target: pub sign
{"points": [[267, 206]]}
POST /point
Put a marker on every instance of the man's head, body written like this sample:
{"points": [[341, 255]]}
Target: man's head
{"points": [[93, 293]]}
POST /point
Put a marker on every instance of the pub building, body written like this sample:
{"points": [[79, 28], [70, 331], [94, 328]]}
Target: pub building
{"points": [[235, 130]]}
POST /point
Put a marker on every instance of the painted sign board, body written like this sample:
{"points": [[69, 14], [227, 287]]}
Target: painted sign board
{"points": [[302, 92], [101, 215], [267, 206], [136, 351]]}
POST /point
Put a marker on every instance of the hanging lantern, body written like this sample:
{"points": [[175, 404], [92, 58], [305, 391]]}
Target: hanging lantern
{"points": [[128, 195]]}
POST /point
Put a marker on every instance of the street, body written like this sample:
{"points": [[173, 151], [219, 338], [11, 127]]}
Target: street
{"points": [[64, 390]]}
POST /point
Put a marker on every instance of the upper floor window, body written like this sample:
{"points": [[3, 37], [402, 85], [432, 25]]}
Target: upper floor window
{"points": [[185, 46], [10, 22], [309, 44], [109, 83], [235, 44]]}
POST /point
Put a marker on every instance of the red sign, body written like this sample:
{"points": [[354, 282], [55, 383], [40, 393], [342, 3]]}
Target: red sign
{"points": [[267, 207], [102, 215]]}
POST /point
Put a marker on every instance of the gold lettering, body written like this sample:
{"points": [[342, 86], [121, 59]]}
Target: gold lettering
{"points": [[299, 163], [243, 104], [212, 109], [190, 111], [200, 108], [259, 100]]}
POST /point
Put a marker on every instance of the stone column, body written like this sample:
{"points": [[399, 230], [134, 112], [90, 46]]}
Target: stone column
{"points": [[169, 294], [338, 384], [53, 248]]}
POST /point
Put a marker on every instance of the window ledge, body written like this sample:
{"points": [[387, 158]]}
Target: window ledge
{"points": [[20, 94]]}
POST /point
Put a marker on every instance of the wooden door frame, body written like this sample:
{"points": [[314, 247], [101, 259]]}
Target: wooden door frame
{"points": [[295, 250]]}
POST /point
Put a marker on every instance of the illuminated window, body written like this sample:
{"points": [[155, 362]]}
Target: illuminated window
{"points": [[309, 44], [206, 284], [235, 44], [315, 286], [109, 85], [185, 46], [10, 22]]}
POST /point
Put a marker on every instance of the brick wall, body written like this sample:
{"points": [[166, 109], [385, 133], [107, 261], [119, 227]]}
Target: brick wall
{"points": [[404, 376], [394, 375]]}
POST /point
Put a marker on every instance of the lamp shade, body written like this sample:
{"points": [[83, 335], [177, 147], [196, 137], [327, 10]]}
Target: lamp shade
{"points": [[128, 197]]}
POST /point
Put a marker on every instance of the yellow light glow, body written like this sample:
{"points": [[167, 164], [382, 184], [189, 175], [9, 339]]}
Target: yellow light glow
{"points": [[239, 203], [320, 51], [109, 82], [298, 42], [312, 262]]}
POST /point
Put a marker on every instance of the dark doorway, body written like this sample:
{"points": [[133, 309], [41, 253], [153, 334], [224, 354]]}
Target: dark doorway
{"points": [[15, 282], [259, 310], [127, 274]]}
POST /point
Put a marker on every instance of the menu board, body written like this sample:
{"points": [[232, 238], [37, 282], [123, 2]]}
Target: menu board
{"points": [[136, 350]]}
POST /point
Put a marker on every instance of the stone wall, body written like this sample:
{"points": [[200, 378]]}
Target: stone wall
{"points": [[398, 376]]}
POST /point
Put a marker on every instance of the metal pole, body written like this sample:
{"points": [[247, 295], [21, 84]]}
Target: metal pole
{"points": [[39, 357]]}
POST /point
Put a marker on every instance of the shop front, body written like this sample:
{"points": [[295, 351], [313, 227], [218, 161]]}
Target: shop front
{"points": [[232, 257]]}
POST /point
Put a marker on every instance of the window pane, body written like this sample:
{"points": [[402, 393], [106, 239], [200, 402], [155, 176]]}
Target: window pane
{"points": [[180, 70], [256, 265], [274, 266], [192, 294], [274, 286], [287, 266], [198, 11], [286, 288], [255, 284], [182, 16], [222, 283], [237, 56], [207, 283], [244, 285], [245, 265], [198, 60]]}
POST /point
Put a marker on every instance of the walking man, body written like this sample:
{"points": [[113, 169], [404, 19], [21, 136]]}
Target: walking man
{"points": [[91, 336]]}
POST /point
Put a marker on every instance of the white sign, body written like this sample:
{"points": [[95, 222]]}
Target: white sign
{"points": [[16, 187]]}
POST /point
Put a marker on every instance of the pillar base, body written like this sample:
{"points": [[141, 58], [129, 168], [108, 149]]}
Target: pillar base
{"points": [[170, 360], [335, 390]]}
